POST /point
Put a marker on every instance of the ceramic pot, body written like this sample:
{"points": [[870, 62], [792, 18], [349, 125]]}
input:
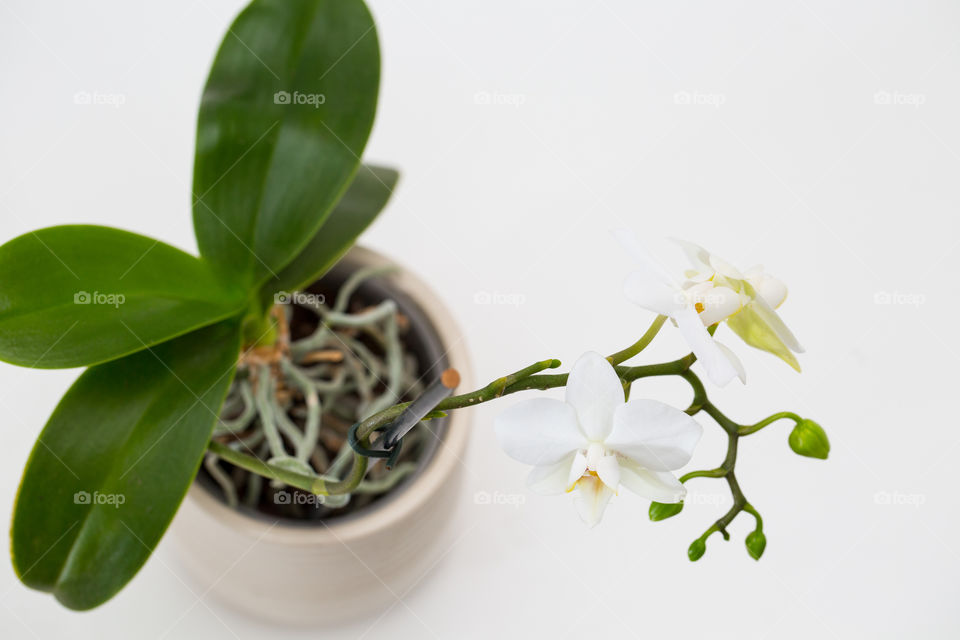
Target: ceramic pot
{"points": [[307, 573]]}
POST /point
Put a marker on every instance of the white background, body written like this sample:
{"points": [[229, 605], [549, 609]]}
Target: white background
{"points": [[525, 130]]}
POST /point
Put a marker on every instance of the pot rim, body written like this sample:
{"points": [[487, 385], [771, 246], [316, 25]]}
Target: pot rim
{"points": [[419, 489]]}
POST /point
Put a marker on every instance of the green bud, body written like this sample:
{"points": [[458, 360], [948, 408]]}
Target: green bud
{"points": [[697, 548], [756, 543], [809, 439], [662, 511]]}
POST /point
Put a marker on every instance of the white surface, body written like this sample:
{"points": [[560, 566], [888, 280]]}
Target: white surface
{"points": [[798, 167]]}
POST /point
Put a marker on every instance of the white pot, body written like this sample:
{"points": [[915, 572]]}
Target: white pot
{"points": [[313, 573]]}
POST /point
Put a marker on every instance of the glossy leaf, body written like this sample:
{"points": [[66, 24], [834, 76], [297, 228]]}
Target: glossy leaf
{"points": [[285, 115], [360, 205], [80, 295], [114, 462]]}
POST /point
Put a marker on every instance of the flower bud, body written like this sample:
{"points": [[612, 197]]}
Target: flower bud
{"points": [[809, 439], [756, 543], [662, 511], [697, 548]]}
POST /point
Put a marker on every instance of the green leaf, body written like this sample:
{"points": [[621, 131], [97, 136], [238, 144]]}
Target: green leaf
{"points": [[114, 462], [80, 295], [285, 116], [360, 205]]}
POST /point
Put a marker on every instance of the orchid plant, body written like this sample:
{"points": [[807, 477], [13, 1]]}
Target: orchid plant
{"points": [[280, 194]]}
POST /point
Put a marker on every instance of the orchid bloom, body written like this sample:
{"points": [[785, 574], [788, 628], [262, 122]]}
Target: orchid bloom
{"points": [[755, 321], [714, 291], [692, 308], [594, 441]]}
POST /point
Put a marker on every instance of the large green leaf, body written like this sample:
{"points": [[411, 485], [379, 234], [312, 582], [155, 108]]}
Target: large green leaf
{"points": [[285, 115], [81, 295], [114, 462], [360, 205]]}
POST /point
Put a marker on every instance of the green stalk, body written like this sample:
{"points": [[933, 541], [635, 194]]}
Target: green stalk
{"points": [[639, 345], [753, 428]]}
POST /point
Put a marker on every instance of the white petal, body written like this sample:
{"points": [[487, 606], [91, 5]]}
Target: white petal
{"points": [[724, 268], [718, 304], [651, 287], [773, 291], [576, 471], [654, 435], [591, 499], [714, 360], [595, 391], [594, 452], [540, 431], [654, 295], [704, 261], [552, 479], [698, 256], [734, 360], [608, 470], [696, 290], [628, 240], [698, 276], [660, 486]]}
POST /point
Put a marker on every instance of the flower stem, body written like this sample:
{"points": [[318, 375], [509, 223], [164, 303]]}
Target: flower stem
{"points": [[496, 389], [258, 466], [749, 509], [316, 485], [639, 345], [719, 472], [753, 428]]}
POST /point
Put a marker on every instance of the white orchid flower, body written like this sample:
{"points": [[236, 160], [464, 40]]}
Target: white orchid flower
{"points": [[714, 291], [755, 319], [693, 307], [594, 441]]}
